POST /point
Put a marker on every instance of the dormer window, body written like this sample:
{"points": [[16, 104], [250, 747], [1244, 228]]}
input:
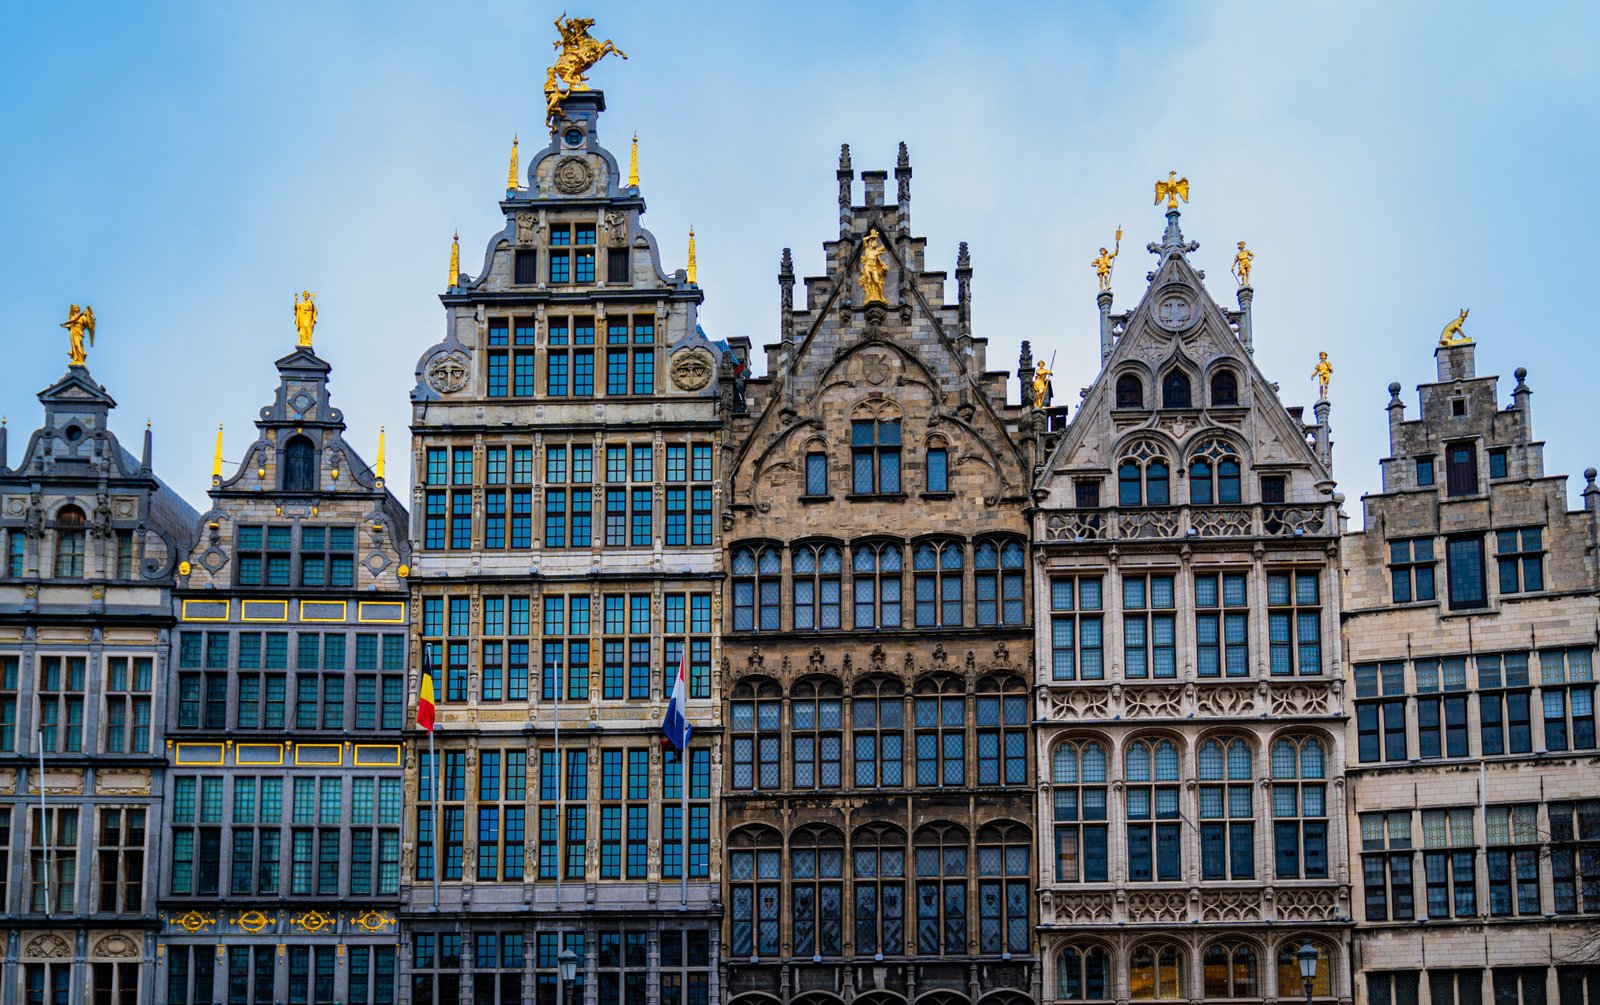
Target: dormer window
{"points": [[1224, 388], [299, 465], [1175, 391], [1130, 391], [70, 525]]}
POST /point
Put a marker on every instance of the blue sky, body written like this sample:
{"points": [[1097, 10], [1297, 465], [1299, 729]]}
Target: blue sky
{"points": [[185, 168]]}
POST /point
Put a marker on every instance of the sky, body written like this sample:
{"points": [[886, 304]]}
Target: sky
{"points": [[186, 168]]}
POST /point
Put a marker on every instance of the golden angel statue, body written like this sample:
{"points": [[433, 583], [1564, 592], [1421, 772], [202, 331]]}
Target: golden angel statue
{"points": [[578, 52], [1241, 264], [874, 266], [1452, 334], [305, 315], [1323, 371], [1172, 190], [1102, 263], [78, 324], [1041, 383]]}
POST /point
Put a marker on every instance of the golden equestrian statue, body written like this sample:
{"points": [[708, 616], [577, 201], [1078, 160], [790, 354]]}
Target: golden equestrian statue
{"points": [[1452, 334], [305, 316], [1102, 263], [78, 324], [1323, 371], [1172, 189], [1241, 264], [579, 52], [874, 266]]}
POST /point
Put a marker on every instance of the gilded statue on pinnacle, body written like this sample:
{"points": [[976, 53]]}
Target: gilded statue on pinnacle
{"points": [[874, 267], [1452, 334], [1241, 264], [305, 316], [1172, 190], [1102, 263], [579, 51], [1323, 372], [78, 324]]}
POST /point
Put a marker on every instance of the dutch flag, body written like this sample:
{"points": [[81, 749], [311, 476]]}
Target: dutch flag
{"points": [[675, 725]]}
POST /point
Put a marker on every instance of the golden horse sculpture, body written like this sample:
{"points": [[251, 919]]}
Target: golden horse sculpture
{"points": [[579, 52]]}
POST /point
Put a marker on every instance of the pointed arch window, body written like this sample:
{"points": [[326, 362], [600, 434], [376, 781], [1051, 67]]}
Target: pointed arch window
{"points": [[999, 582], [878, 871], [1322, 984], [1143, 477], [1175, 390], [1224, 388], [754, 872], [1002, 714], [877, 720], [1299, 809], [1155, 837], [941, 732], [939, 570], [877, 581], [1214, 474], [1156, 972], [1083, 974], [1130, 391], [71, 529], [816, 715], [299, 465], [1231, 971], [817, 585], [941, 868], [757, 586], [875, 456], [816, 890], [1227, 818], [1003, 870], [1078, 774], [756, 729]]}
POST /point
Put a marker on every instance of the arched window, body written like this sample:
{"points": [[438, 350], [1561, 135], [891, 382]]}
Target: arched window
{"points": [[1155, 484], [878, 869], [941, 870], [299, 465], [1299, 809], [1003, 888], [938, 465], [1155, 836], [756, 727], [1214, 459], [1130, 484], [70, 532], [1224, 388], [999, 582], [1130, 391], [816, 714], [1231, 971], [877, 721], [878, 584], [941, 721], [816, 891], [1175, 390], [817, 570], [1082, 974], [757, 586], [1143, 476], [1155, 972], [875, 455], [1227, 818], [938, 569], [1290, 983], [1078, 771], [1002, 713], [755, 857]]}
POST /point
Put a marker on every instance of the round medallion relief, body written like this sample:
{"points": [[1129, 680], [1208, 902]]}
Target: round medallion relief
{"points": [[691, 369], [573, 175], [447, 371], [1175, 311]]}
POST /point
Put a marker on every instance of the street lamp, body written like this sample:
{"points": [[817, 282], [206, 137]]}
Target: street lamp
{"points": [[1307, 956], [568, 963]]}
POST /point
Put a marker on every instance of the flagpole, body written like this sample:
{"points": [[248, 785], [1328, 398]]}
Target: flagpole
{"points": [[44, 832], [560, 820], [683, 893], [438, 832]]}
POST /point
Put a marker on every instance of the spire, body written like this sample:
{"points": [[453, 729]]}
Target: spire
{"points": [[964, 288], [216, 459], [694, 275], [455, 260], [846, 175], [786, 295], [2, 443], [144, 457], [511, 178], [633, 163], [380, 467], [1172, 242]]}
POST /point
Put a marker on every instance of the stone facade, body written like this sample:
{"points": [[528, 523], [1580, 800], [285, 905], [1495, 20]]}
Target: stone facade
{"points": [[1471, 613], [878, 806], [91, 537], [286, 701], [1191, 739], [566, 485]]}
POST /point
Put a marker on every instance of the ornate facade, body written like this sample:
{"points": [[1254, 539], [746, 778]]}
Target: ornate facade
{"points": [[878, 807], [280, 878], [1471, 611], [568, 558], [1191, 743], [91, 537]]}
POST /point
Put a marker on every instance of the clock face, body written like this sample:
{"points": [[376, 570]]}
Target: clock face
{"points": [[574, 137]]}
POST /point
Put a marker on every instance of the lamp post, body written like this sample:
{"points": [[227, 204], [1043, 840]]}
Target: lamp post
{"points": [[568, 963], [1307, 955]]}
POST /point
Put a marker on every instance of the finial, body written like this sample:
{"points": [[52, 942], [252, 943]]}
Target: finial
{"points": [[786, 264], [1172, 190], [216, 458], [455, 259], [694, 274], [903, 163], [963, 257], [305, 316], [380, 467], [633, 164], [844, 157], [511, 178], [78, 324]]}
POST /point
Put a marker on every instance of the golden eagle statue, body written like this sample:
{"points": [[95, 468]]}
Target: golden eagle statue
{"points": [[1173, 189]]}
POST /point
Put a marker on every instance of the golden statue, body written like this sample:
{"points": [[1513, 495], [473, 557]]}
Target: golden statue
{"points": [[874, 266], [511, 176], [1172, 190], [1041, 383], [1323, 371], [78, 324], [1452, 334], [305, 316], [579, 51], [1241, 266], [1102, 264], [455, 260], [693, 272]]}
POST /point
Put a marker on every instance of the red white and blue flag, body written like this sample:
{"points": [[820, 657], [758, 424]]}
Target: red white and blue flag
{"points": [[676, 725]]}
